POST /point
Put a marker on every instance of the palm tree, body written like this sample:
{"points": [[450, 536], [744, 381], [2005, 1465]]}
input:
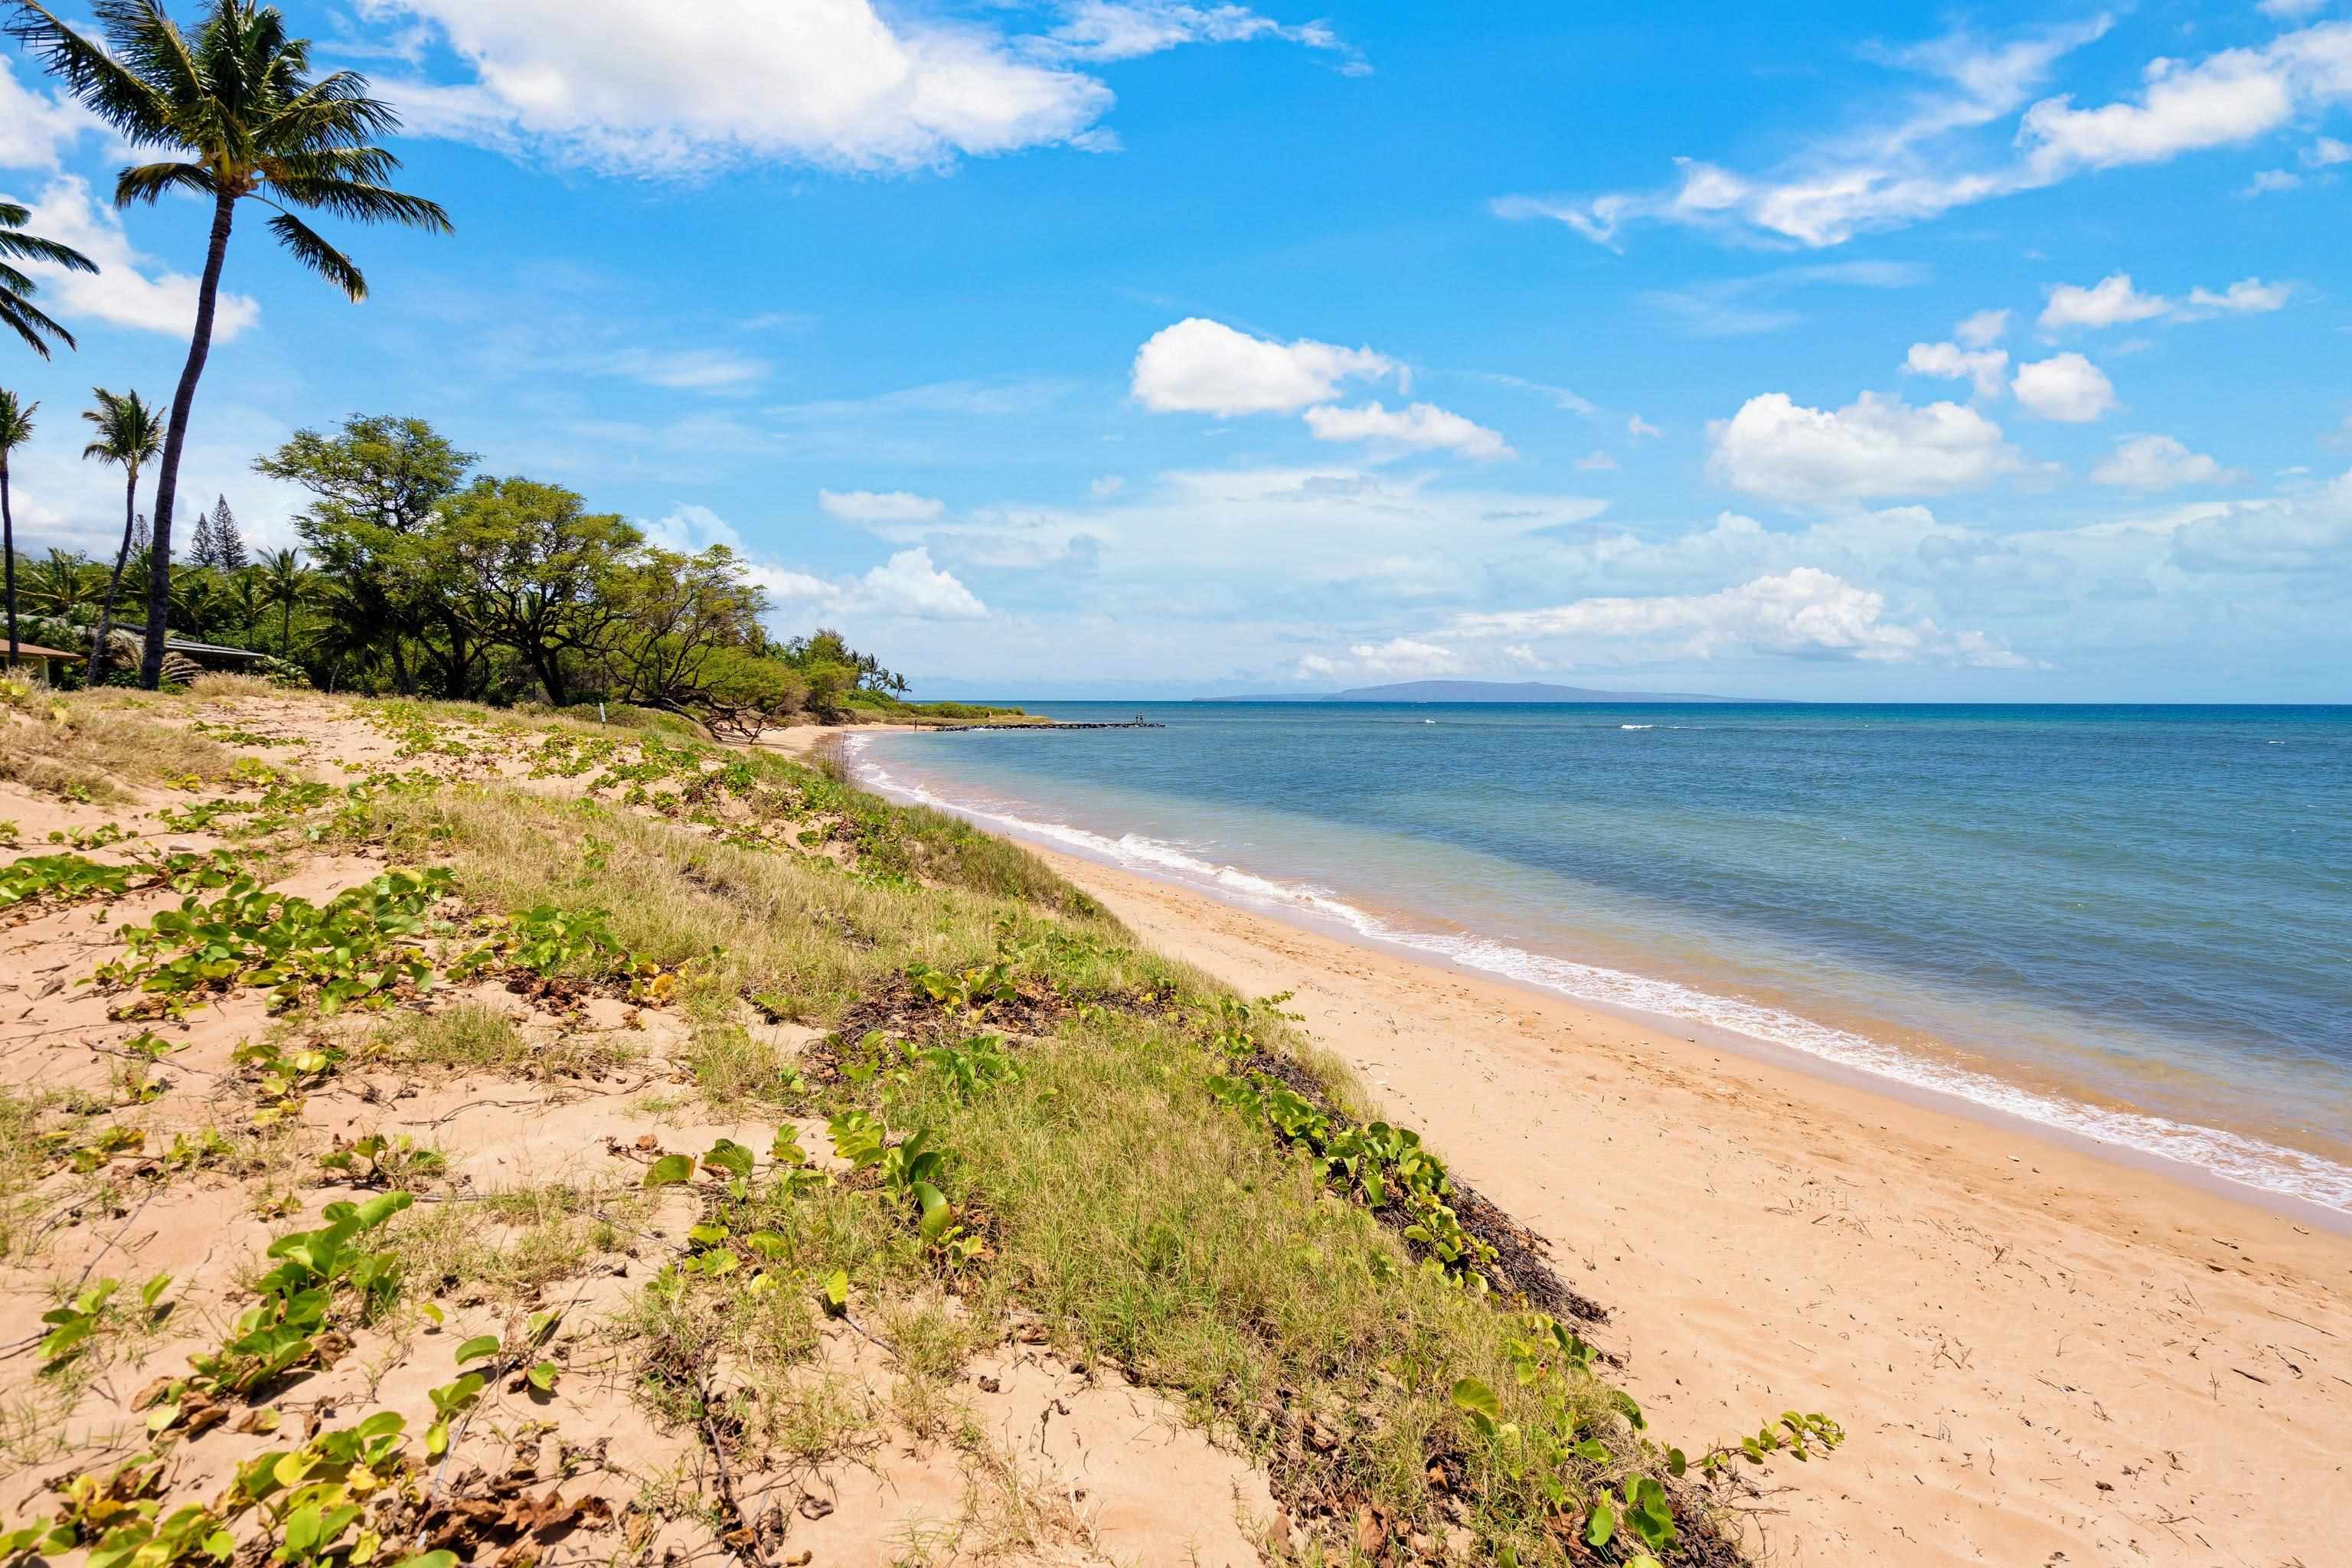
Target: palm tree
{"points": [[15, 429], [285, 583], [129, 434], [17, 290], [61, 584], [237, 104]]}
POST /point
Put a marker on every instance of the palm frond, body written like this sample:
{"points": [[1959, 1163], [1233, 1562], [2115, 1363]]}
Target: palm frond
{"points": [[25, 319], [149, 45], [33, 248], [149, 182], [117, 94], [318, 255], [364, 202]]}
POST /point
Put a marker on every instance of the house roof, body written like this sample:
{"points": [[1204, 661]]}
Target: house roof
{"points": [[215, 650], [34, 650]]}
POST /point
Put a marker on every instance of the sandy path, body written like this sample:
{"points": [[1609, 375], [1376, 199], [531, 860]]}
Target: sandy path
{"points": [[2040, 1356]]}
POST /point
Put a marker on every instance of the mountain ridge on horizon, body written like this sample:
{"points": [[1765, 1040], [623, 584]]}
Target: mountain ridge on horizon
{"points": [[1476, 691]]}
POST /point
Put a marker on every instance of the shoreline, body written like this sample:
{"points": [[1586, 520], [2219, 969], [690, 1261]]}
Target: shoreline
{"points": [[2008, 1320]]}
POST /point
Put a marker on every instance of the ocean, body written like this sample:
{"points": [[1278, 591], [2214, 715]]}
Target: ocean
{"points": [[2129, 923]]}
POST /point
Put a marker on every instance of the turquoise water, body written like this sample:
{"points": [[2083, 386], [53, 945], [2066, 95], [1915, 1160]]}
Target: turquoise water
{"points": [[2132, 923]]}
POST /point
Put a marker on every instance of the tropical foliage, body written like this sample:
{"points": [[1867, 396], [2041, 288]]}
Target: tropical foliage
{"points": [[238, 117]]}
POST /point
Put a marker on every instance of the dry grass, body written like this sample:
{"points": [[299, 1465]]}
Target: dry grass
{"points": [[220, 683], [103, 742]]}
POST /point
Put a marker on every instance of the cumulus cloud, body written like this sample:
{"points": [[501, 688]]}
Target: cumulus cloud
{"points": [[1932, 158], [2159, 463], [879, 505], [1637, 427], [2115, 300], [1982, 330], [1108, 486], [2269, 182], [36, 128], [1986, 368], [909, 584], [684, 91], [1399, 658], [2064, 387], [1805, 612], [1202, 366], [120, 293], [1777, 447], [1420, 428], [2325, 153]]}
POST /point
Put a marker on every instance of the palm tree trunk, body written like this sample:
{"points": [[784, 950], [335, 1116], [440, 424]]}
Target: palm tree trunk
{"points": [[175, 436], [114, 584], [8, 544], [286, 628]]}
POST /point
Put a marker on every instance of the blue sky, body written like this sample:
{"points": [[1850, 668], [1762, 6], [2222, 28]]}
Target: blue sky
{"points": [[1125, 347]]}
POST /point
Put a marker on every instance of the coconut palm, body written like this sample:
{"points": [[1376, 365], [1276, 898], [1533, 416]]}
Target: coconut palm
{"points": [[127, 433], [17, 290], [285, 583], [236, 108], [15, 429]]}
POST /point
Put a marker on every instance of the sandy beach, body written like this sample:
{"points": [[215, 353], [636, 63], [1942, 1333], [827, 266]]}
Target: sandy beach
{"points": [[2041, 1356]]}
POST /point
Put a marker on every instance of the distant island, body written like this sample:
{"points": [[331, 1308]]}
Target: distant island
{"points": [[1474, 691]]}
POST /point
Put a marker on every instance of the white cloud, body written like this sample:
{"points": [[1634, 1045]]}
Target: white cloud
{"points": [[1637, 427], [1399, 658], [2114, 299], [2223, 99], [1805, 612], [1206, 367], [909, 584], [118, 291], [1876, 445], [2111, 299], [880, 506], [2159, 463], [1107, 486], [1986, 368], [2292, 536], [1596, 460], [2065, 387], [2268, 182], [1105, 30], [2291, 10], [2247, 295], [36, 128], [1419, 426], [1930, 159], [686, 89], [691, 370], [1982, 330], [2327, 153]]}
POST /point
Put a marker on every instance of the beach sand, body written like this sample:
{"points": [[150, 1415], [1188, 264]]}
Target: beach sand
{"points": [[2039, 1355]]}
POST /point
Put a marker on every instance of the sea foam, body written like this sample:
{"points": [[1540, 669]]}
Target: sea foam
{"points": [[2250, 1162]]}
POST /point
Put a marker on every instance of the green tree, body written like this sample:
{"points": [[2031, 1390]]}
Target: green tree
{"points": [[15, 429], [537, 573], [682, 619], [17, 290], [377, 482], [127, 433], [285, 583], [239, 106]]}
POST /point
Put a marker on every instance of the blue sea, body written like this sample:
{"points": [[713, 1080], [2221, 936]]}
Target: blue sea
{"points": [[2129, 923]]}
